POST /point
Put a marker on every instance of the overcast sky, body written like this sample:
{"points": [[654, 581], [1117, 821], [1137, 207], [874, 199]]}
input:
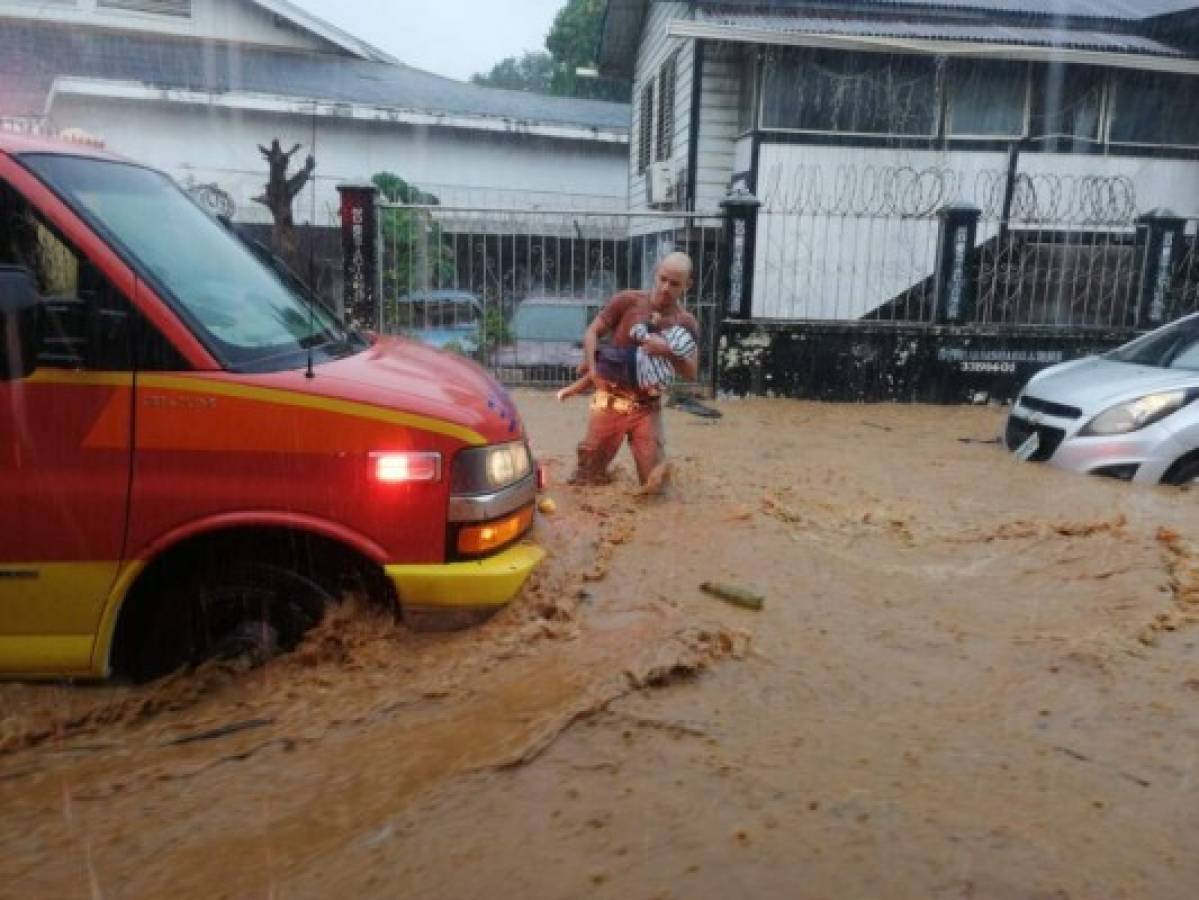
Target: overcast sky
{"points": [[450, 37]]}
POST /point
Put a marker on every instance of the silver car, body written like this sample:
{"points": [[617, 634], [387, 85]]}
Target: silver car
{"points": [[1129, 414], [548, 335]]}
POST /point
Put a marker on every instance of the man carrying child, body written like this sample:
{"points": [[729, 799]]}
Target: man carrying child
{"points": [[644, 328]]}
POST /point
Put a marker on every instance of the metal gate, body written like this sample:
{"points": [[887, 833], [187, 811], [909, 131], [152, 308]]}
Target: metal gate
{"points": [[515, 289]]}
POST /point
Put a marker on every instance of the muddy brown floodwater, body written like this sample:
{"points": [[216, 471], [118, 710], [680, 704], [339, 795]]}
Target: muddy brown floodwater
{"points": [[971, 678]]}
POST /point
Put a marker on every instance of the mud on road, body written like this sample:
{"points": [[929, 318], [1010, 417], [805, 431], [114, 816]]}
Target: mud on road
{"points": [[971, 678]]}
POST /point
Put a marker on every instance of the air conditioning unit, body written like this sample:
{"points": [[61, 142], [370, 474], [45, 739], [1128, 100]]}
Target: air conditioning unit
{"points": [[659, 184]]}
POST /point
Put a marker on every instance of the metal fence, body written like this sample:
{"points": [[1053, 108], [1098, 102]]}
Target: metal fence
{"points": [[865, 243], [515, 289]]}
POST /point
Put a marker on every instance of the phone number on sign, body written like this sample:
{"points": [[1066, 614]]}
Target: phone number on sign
{"points": [[992, 368]]}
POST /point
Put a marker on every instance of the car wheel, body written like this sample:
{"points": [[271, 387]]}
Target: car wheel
{"points": [[1183, 472], [254, 610]]}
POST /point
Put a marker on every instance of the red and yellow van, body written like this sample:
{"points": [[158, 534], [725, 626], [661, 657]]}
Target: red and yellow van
{"points": [[196, 457]]}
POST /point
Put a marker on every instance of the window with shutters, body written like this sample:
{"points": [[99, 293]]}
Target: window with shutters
{"points": [[666, 84], [181, 8], [645, 136]]}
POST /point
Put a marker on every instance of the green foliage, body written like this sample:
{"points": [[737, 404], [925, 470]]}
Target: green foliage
{"points": [[532, 72], [573, 43], [416, 255], [493, 332], [396, 190]]}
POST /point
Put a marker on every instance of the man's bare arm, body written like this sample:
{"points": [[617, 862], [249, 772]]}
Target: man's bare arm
{"points": [[687, 367], [596, 330]]}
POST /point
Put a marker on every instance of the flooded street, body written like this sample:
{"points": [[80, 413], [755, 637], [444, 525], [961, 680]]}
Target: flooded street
{"points": [[971, 678]]}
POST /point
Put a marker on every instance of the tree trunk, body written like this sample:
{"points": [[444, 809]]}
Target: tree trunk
{"points": [[280, 191]]}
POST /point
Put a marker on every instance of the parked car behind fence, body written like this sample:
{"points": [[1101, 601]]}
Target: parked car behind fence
{"points": [[547, 344], [444, 318]]}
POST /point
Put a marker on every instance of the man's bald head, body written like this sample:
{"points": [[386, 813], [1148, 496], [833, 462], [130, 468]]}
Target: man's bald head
{"points": [[679, 261], [672, 278]]}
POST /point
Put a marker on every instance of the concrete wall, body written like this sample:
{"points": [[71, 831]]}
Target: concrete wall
{"points": [[198, 144], [857, 363]]}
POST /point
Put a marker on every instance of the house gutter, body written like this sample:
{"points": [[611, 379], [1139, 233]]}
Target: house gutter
{"points": [[299, 106], [932, 47]]}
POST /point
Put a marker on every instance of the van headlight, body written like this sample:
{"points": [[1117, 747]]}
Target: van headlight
{"points": [[481, 470], [1136, 414]]}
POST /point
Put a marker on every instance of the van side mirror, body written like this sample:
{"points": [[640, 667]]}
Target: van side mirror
{"points": [[19, 318]]}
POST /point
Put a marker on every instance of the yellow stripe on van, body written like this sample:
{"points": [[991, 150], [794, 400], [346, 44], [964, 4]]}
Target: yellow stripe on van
{"points": [[279, 396]]}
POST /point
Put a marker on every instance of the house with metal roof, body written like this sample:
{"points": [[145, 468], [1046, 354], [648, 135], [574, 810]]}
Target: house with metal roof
{"points": [[194, 86], [1052, 127]]}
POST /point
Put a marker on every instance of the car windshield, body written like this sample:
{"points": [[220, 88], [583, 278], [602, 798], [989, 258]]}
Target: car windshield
{"points": [[552, 322], [242, 311], [438, 312], [1173, 347]]}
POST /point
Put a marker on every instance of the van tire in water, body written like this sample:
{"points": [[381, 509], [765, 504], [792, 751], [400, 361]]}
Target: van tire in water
{"points": [[253, 609]]}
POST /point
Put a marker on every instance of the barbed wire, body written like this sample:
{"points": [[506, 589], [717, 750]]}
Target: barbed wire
{"points": [[911, 192], [859, 190]]}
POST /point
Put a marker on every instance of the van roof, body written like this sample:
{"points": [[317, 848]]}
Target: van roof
{"points": [[16, 142]]}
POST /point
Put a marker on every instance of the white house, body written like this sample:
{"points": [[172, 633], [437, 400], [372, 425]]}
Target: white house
{"points": [[854, 121], [194, 86]]}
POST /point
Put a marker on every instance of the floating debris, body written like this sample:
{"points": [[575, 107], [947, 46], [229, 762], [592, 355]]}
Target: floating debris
{"points": [[731, 593]]}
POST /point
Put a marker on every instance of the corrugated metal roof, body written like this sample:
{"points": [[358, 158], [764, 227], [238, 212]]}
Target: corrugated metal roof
{"points": [[1123, 10], [31, 56], [982, 32]]}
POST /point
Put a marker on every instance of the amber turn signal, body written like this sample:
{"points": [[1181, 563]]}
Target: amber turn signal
{"points": [[481, 538]]}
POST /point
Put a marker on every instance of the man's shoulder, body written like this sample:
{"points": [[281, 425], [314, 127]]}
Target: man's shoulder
{"points": [[619, 303], [627, 298]]}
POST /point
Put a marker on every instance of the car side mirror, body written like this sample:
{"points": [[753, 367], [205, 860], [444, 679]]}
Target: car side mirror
{"points": [[20, 308]]}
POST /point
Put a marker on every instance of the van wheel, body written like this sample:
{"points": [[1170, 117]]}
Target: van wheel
{"points": [[1183, 472], [254, 610]]}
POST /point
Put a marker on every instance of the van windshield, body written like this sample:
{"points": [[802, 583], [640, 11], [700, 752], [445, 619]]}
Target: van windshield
{"points": [[243, 312]]}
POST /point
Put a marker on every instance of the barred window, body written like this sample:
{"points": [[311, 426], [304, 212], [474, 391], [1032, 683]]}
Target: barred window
{"points": [[645, 137], [666, 84], [987, 98], [857, 93], [1067, 105], [1155, 108], [182, 8]]}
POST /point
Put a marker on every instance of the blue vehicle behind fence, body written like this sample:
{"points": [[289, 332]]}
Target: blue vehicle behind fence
{"points": [[444, 318]]}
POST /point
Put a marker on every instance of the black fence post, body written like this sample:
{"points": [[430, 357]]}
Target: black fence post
{"points": [[363, 303], [1162, 234], [955, 282], [740, 227]]}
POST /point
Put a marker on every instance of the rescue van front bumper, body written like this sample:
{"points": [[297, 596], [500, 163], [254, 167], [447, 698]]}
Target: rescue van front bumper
{"points": [[480, 584]]}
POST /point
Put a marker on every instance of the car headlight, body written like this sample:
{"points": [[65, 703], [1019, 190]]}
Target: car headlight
{"points": [[1136, 414], [480, 470]]}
